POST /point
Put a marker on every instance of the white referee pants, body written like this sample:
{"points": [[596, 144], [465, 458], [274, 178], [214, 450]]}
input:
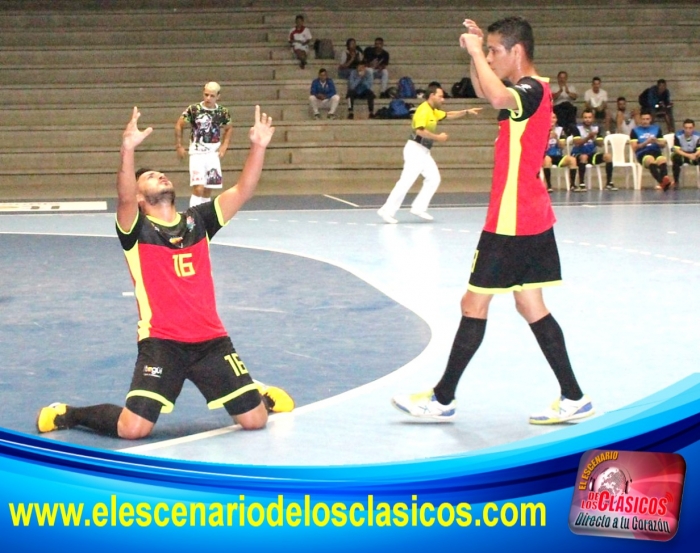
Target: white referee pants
{"points": [[416, 161]]}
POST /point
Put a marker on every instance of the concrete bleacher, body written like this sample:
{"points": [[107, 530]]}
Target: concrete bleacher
{"points": [[69, 77]]}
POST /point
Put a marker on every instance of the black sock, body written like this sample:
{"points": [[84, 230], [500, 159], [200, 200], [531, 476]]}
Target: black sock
{"points": [[676, 172], [547, 176], [608, 171], [467, 340], [654, 170], [582, 172], [663, 170], [551, 340], [101, 418], [572, 176]]}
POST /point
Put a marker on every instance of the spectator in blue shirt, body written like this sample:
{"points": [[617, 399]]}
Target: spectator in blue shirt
{"points": [[323, 95], [657, 99], [360, 86]]}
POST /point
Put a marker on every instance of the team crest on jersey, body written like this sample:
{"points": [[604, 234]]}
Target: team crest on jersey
{"points": [[155, 372], [190, 223]]}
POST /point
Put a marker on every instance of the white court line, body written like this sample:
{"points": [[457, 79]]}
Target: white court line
{"points": [[52, 207], [339, 200]]}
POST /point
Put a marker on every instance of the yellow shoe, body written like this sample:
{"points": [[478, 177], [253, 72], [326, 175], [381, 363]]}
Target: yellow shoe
{"points": [[276, 400], [50, 418]]}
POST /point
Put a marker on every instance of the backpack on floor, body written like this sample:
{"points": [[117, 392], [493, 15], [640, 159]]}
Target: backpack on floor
{"points": [[399, 109], [406, 88], [464, 89]]}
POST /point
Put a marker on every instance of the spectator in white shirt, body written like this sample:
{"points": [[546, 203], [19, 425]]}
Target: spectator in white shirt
{"points": [[299, 39], [597, 100]]}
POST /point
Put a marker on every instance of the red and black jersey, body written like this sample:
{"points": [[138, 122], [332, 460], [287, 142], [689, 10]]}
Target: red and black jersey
{"points": [[519, 203], [171, 270]]}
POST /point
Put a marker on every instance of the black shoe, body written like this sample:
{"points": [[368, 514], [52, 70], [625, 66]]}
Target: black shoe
{"points": [[384, 95], [610, 186], [351, 115]]}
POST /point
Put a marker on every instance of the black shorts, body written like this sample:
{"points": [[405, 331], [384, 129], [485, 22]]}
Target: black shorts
{"points": [[653, 155], [162, 366], [596, 159], [514, 263], [556, 160]]}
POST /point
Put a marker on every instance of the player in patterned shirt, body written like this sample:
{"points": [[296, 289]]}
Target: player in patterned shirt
{"points": [[517, 251], [210, 132], [180, 334]]}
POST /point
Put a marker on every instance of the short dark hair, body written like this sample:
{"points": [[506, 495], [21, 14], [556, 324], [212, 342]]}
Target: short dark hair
{"points": [[689, 121], [595, 79], [587, 110], [621, 98], [322, 70], [299, 17], [645, 111], [562, 73], [515, 30], [433, 88], [142, 171], [661, 81], [347, 42], [378, 38]]}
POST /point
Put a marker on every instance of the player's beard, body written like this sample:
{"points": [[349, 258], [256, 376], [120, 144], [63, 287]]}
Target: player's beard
{"points": [[162, 197]]}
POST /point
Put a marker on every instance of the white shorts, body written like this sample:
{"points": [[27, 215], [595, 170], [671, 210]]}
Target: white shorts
{"points": [[205, 170]]}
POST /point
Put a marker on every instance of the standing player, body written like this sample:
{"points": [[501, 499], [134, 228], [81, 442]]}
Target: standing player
{"points": [[517, 251], [417, 159], [180, 335], [210, 133]]}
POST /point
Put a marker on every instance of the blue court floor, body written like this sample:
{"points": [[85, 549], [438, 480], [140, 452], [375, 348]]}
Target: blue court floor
{"points": [[345, 311]]}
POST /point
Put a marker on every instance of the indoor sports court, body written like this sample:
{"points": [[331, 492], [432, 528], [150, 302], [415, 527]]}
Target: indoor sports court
{"points": [[324, 299]]}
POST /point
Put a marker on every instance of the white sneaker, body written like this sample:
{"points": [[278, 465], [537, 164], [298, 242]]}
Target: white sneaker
{"points": [[422, 214], [424, 405], [387, 218], [564, 410]]}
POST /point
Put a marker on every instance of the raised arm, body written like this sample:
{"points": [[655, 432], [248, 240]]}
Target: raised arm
{"points": [[462, 112], [260, 135], [490, 85], [127, 189]]}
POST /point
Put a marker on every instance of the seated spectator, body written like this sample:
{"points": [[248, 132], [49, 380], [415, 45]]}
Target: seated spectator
{"points": [[299, 39], [647, 143], [349, 59], [323, 95], [625, 120], [597, 100], [360, 86], [554, 155], [657, 99], [377, 60], [563, 97], [686, 149], [587, 144]]}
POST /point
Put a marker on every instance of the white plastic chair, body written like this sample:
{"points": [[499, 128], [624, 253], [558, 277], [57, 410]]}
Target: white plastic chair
{"points": [[619, 147], [589, 166], [670, 140], [558, 171]]}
